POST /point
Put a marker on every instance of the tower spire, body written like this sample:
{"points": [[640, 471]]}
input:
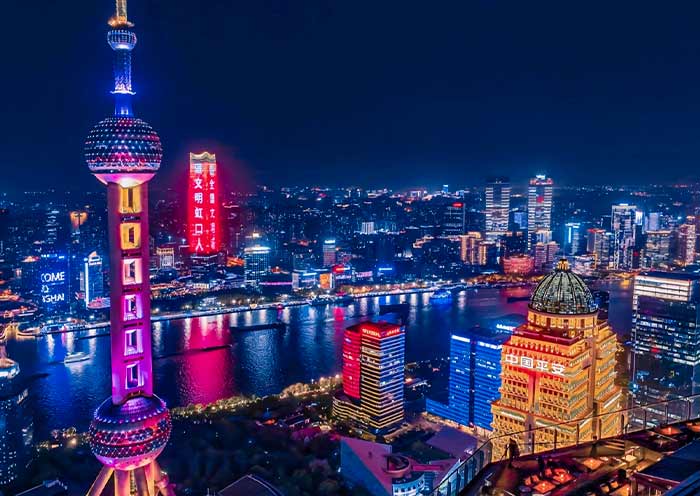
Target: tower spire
{"points": [[119, 19], [122, 40]]}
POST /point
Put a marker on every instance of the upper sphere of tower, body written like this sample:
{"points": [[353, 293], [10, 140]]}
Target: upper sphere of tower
{"points": [[126, 145]]}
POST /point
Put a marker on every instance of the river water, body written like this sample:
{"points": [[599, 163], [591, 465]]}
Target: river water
{"points": [[259, 362]]}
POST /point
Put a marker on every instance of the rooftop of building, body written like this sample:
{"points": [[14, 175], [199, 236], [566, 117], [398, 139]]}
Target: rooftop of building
{"points": [[454, 442], [677, 466], [676, 275], [250, 485], [389, 468], [563, 293], [668, 455], [381, 326], [46, 488], [483, 334]]}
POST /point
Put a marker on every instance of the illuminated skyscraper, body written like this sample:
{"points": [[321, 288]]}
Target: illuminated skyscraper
{"points": [[329, 253], [475, 369], [203, 204], [558, 370], [686, 242], [497, 200], [539, 207], [657, 251], [257, 263], [130, 429], [16, 426], [599, 242], [92, 278], [665, 337], [623, 229], [373, 376], [454, 219], [573, 238]]}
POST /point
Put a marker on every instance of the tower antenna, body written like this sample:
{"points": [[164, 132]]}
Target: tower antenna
{"points": [[119, 19]]}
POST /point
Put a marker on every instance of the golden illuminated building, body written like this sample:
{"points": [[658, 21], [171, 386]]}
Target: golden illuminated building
{"points": [[558, 371]]}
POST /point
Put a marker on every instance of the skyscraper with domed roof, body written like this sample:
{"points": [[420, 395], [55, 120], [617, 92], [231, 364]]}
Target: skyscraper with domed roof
{"points": [[131, 428], [558, 371]]}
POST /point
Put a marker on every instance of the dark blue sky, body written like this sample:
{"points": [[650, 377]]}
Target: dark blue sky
{"points": [[381, 92]]}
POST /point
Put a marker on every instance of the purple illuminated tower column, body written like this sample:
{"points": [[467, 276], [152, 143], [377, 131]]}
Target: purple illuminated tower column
{"points": [[130, 429]]}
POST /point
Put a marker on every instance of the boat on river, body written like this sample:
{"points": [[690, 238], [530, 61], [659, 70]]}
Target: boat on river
{"points": [[281, 326], [78, 356]]}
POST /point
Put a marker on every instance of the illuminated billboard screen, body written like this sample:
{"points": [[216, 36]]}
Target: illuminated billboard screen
{"points": [[203, 204], [53, 282]]}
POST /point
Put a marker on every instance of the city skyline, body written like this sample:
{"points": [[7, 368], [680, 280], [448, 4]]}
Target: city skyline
{"points": [[386, 253], [518, 90]]}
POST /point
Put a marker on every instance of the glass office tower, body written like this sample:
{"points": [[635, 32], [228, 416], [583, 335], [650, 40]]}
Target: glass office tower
{"points": [[665, 336]]}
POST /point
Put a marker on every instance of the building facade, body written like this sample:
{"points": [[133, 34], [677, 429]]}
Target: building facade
{"points": [[204, 235], [598, 244], [373, 376], [558, 371], [657, 249], [257, 263], [539, 207], [329, 252], [623, 229], [497, 207], [93, 278], [686, 243], [16, 426], [665, 336], [475, 370]]}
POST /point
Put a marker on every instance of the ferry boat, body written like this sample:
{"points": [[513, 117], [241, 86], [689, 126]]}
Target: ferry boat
{"points": [[29, 329], [321, 300], [78, 356], [64, 325], [209, 303], [279, 325], [441, 296], [344, 299]]}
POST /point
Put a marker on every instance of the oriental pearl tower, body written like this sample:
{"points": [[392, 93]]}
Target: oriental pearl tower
{"points": [[131, 428]]}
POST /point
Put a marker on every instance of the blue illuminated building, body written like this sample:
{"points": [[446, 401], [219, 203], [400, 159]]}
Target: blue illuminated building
{"points": [[53, 284], [475, 370]]}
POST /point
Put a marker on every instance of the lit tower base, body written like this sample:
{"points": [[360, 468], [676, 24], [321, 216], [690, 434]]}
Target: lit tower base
{"points": [[131, 428]]}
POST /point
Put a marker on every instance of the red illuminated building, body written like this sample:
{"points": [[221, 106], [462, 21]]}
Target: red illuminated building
{"points": [[352, 346], [373, 376], [203, 204]]}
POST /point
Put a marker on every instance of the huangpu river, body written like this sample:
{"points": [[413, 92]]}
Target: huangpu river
{"points": [[253, 362]]}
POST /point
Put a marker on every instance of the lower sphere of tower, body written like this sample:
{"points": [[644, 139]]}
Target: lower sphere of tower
{"points": [[130, 435]]}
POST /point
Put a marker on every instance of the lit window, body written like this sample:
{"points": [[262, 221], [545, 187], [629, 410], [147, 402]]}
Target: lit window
{"points": [[132, 342], [133, 377], [132, 307], [131, 271], [131, 235], [130, 200]]}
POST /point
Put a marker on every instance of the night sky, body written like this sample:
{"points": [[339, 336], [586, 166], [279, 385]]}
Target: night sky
{"points": [[371, 93]]}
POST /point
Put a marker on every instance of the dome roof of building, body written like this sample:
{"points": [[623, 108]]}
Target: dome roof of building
{"points": [[123, 145], [562, 292]]}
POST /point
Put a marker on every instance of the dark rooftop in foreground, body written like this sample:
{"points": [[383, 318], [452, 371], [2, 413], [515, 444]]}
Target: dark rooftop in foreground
{"points": [[250, 485]]}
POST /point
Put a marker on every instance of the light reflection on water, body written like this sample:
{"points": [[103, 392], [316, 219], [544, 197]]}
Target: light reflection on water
{"points": [[260, 362]]}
